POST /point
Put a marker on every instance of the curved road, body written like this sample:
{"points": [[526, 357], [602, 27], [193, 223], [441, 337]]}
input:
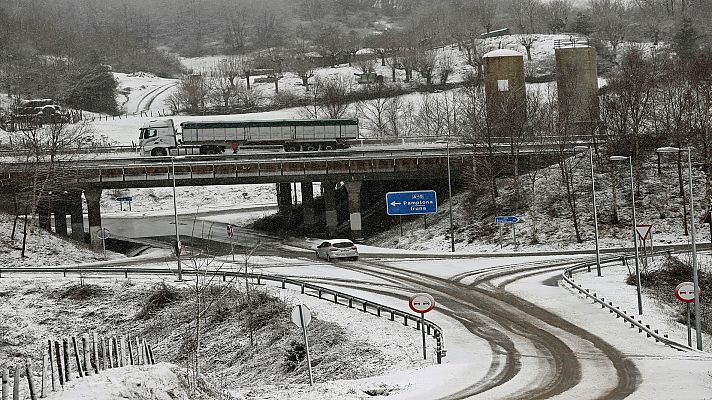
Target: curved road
{"points": [[536, 354]]}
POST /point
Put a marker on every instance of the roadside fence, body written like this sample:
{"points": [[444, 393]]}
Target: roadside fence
{"points": [[627, 318], [70, 358], [145, 113], [334, 296]]}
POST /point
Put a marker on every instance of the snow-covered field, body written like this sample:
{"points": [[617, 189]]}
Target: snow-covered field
{"points": [[144, 92]]}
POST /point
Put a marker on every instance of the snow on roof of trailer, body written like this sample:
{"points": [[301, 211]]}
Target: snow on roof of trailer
{"points": [[158, 123], [503, 53]]}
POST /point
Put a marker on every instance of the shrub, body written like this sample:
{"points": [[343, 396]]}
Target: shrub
{"points": [[161, 297], [294, 355], [81, 292]]}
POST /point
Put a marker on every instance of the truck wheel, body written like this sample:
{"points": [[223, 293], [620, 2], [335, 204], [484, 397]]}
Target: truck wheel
{"points": [[158, 152], [291, 147], [329, 146], [311, 147]]}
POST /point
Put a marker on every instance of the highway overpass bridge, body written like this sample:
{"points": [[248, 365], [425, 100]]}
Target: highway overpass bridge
{"points": [[350, 167]]}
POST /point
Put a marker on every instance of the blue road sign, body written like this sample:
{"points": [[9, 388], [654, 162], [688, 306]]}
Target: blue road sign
{"points": [[412, 203], [508, 219], [127, 198]]}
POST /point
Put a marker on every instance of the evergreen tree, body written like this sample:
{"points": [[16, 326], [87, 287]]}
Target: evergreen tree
{"points": [[93, 88], [686, 40]]}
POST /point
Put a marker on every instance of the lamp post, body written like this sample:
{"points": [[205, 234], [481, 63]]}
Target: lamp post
{"points": [[595, 212], [635, 241], [698, 316], [175, 219], [449, 189]]}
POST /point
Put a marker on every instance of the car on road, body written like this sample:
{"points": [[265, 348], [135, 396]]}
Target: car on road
{"points": [[337, 248]]}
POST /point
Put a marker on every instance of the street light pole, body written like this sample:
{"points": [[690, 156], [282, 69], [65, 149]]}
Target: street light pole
{"points": [[449, 188], [635, 241], [175, 219], [595, 212], [698, 316]]}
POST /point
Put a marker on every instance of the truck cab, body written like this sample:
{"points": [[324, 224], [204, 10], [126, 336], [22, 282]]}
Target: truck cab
{"points": [[157, 137]]}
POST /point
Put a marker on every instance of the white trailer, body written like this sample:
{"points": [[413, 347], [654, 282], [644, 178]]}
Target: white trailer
{"points": [[160, 138]]}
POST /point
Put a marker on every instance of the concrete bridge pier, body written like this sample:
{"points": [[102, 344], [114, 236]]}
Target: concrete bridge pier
{"points": [[353, 189], [93, 197], [308, 205], [60, 216], [74, 203], [284, 200], [329, 189]]}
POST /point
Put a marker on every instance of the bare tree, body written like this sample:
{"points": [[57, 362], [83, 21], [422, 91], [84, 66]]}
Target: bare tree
{"points": [[425, 63], [528, 42], [225, 80], [372, 113], [399, 115], [478, 132], [329, 97], [365, 65], [192, 92], [487, 10], [445, 67], [47, 165], [438, 114], [557, 14], [237, 15], [629, 101], [525, 13], [331, 41], [304, 68], [609, 19]]}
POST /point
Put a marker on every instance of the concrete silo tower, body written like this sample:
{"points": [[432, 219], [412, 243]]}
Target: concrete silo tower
{"points": [[577, 86], [505, 90]]}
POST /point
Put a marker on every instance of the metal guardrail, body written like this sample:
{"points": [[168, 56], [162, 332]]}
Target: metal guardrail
{"points": [[568, 277], [321, 292], [497, 142], [347, 154]]}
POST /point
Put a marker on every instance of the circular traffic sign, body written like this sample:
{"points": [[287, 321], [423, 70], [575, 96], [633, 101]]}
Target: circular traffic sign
{"points": [[229, 231], [421, 302], [301, 313], [685, 292], [103, 233]]}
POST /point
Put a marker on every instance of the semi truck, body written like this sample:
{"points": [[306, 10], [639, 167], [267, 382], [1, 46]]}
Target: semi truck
{"points": [[160, 137]]}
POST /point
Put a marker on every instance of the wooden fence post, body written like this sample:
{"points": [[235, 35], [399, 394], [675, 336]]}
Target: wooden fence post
{"points": [[16, 383], [122, 342], [102, 352], [58, 357], [112, 351], [95, 350], [76, 356], [145, 350], [5, 384], [138, 352], [86, 358], [51, 364], [150, 353], [107, 352], [65, 351], [131, 358], [30, 381], [43, 382]]}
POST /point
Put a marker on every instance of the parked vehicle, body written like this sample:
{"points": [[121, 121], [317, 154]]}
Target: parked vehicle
{"points": [[160, 138], [337, 248]]}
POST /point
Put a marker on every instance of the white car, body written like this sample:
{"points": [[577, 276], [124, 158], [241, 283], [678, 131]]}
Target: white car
{"points": [[337, 248]]}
